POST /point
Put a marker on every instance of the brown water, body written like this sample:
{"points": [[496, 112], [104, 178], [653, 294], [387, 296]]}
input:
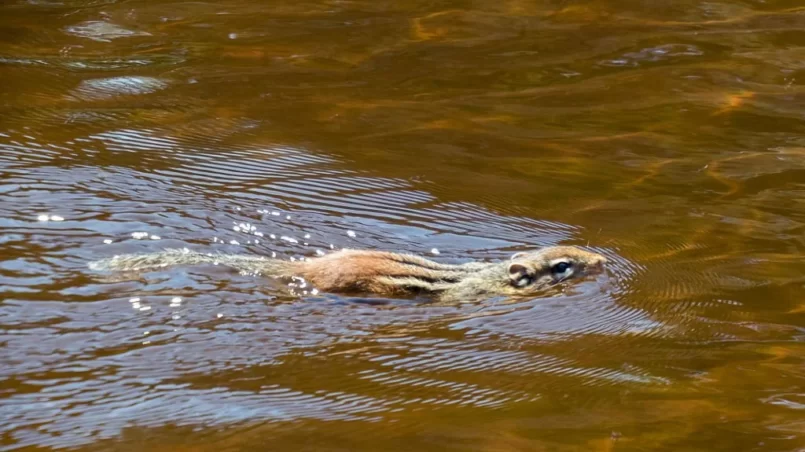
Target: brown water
{"points": [[668, 135]]}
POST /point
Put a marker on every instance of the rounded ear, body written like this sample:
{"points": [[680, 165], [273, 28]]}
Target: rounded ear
{"points": [[516, 255], [517, 271]]}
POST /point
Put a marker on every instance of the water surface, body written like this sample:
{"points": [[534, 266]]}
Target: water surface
{"points": [[668, 136]]}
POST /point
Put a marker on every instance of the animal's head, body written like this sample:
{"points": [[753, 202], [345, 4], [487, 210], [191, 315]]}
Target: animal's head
{"points": [[531, 271]]}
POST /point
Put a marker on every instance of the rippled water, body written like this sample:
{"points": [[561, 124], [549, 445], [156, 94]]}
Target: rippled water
{"points": [[668, 136]]}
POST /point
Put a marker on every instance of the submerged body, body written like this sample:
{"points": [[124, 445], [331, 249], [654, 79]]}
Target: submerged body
{"points": [[388, 273]]}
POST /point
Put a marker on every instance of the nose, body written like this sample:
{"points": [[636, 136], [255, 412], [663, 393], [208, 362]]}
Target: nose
{"points": [[598, 263]]}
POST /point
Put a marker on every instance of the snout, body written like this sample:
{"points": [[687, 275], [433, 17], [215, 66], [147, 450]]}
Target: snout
{"points": [[597, 265]]}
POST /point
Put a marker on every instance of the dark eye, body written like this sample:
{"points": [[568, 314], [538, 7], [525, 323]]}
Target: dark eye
{"points": [[561, 267]]}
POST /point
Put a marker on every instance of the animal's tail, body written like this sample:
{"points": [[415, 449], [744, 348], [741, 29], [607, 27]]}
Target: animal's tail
{"points": [[172, 257]]}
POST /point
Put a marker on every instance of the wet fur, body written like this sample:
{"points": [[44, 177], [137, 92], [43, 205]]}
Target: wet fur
{"points": [[385, 273]]}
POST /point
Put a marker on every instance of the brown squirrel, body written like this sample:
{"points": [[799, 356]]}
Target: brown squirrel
{"points": [[388, 273]]}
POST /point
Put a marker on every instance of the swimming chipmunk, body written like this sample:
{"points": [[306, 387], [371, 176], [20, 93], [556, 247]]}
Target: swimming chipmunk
{"points": [[388, 273]]}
